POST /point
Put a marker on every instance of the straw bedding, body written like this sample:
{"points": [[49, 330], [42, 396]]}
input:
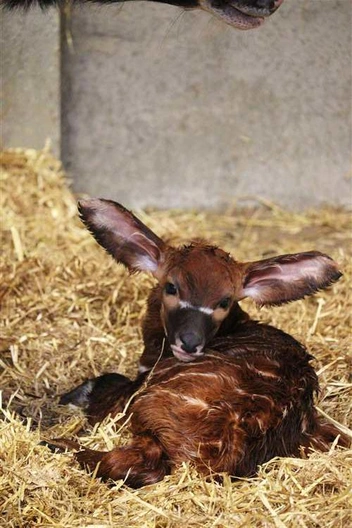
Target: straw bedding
{"points": [[68, 312]]}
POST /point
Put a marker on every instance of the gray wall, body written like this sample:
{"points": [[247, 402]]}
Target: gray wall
{"points": [[166, 108], [30, 79]]}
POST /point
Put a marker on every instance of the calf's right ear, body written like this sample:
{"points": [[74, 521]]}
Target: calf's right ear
{"points": [[287, 277], [122, 235]]}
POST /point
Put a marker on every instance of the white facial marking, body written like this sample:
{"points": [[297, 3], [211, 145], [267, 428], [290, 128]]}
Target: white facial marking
{"points": [[204, 309]]}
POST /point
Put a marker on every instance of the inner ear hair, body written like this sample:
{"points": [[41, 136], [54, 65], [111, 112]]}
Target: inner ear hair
{"points": [[288, 278], [122, 234]]}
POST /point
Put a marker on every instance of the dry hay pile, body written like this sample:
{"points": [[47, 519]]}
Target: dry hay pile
{"points": [[69, 312]]}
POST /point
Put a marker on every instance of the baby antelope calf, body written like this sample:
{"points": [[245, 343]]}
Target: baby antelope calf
{"points": [[227, 393], [199, 285]]}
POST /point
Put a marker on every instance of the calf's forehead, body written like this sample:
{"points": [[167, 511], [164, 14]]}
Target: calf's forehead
{"points": [[203, 274]]}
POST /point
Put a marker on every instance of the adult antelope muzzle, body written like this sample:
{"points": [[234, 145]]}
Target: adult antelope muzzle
{"points": [[241, 14]]}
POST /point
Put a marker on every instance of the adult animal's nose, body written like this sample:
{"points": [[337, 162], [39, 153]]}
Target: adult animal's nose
{"points": [[257, 7]]}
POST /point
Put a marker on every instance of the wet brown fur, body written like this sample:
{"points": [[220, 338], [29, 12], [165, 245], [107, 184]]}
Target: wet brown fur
{"points": [[246, 401], [249, 398]]}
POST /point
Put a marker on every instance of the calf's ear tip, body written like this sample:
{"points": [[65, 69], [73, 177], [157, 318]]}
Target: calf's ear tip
{"points": [[86, 204], [83, 202], [90, 202]]}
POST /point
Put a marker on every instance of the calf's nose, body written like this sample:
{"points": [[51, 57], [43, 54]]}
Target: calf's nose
{"points": [[190, 341]]}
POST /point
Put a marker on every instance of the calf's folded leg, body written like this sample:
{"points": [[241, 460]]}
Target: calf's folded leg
{"points": [[139, 463], [101, 396]]}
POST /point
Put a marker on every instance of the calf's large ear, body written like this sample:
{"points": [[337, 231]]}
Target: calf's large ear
{"points": [[122, 235], [288, 277]]}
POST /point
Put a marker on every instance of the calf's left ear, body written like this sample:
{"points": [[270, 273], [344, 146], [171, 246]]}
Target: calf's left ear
{"points": [[288, 277], [123, 235]]}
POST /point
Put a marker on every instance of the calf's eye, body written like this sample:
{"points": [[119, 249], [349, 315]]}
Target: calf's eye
{"points": [[224, 304], [170, 289]]}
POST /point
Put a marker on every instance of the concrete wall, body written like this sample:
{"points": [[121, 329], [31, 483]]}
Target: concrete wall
{"points": [[166, 108], [30, 79]]}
